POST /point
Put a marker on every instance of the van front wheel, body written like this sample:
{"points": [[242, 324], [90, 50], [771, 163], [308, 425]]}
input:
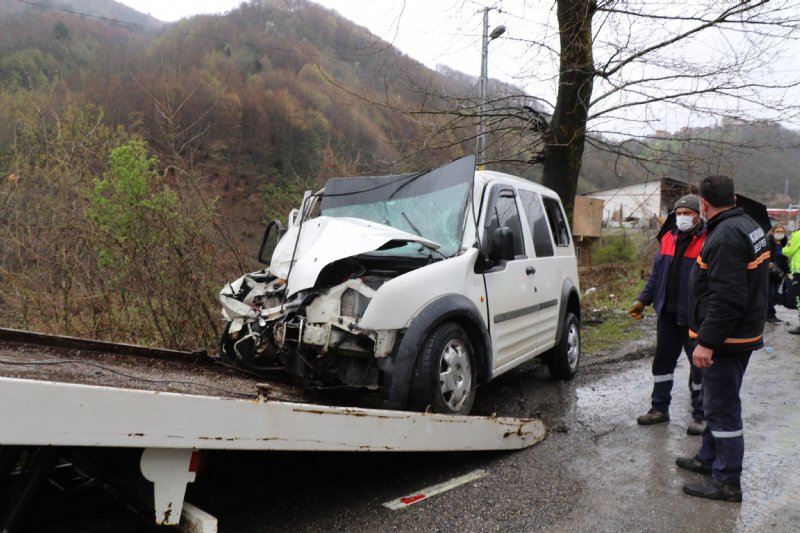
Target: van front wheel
{"points": [[444, 377]]}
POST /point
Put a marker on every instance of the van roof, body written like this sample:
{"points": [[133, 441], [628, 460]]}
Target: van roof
{"points": [[484, 177]]}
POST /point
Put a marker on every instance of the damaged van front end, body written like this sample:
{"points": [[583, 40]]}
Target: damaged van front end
{"points": [[309, 324]]}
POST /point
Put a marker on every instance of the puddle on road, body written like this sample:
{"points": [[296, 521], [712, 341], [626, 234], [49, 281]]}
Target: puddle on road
{"points": [[641, 459], [621, 458], [771, 411], [611, 398]]}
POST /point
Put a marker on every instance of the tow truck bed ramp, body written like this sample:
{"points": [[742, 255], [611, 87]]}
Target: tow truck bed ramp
{"points": [[68, 414], [58, 402], [170, 426]]}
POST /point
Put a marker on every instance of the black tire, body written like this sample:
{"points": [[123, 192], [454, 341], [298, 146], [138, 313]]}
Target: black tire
{"points": [[564, 358], [446, 351], [226, 353], [247, 358]]}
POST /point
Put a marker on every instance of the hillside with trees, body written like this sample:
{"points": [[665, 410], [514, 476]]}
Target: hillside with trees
{"points": [[138, 164], [139, 161]]}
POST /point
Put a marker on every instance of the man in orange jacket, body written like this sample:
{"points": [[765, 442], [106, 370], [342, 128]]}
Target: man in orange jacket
{"points": [[667, 288]]}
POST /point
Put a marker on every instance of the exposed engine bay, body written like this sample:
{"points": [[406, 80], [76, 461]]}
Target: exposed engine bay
{"points": [[313, 334]]}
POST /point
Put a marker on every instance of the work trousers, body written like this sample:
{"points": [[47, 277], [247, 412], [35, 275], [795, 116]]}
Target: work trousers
{"points": [[796, 282], [723, 438], [772, 296], [671, 339]]}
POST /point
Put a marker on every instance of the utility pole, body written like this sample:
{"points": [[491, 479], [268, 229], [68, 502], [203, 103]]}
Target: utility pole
{"points": [[480, 146]]}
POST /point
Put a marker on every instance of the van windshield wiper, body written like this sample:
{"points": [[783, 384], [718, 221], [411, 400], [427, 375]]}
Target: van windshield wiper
{"points": [[418, 232], [416, 229]]}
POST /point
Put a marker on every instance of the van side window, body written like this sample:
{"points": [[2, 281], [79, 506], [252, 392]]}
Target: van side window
{"points": [[504, 213], [558, 222], [532, 204]]}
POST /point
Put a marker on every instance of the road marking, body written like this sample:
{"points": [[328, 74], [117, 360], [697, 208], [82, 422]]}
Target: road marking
{"points": [[414, 497]]}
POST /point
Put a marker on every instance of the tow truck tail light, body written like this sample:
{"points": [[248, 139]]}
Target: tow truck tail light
{"points": [[194, 462]]}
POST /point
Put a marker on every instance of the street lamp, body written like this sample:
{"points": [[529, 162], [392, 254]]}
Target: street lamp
{"points": [[497, 32]]}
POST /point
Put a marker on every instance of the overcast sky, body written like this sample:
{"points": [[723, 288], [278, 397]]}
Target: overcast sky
{"points": [[172, 10]]}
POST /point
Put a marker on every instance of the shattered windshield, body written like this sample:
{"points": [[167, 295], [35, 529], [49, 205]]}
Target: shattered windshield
{"points": [[430, 204]]}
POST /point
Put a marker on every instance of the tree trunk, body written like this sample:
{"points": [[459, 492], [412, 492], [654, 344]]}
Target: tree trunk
{"points": [[565, 136]]}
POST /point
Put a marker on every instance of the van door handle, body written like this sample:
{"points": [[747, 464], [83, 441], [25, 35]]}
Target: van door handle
{"points": [[530, 270]]}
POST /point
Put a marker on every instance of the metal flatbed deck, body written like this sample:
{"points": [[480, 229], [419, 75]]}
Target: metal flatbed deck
{"points": [[34, 356], [68, 396]]}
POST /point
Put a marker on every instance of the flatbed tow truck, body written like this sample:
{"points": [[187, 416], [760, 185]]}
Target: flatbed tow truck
{"points": [[62, 393]]}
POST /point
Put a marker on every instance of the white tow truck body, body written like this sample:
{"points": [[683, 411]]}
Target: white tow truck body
{"points": [[170, 427]]}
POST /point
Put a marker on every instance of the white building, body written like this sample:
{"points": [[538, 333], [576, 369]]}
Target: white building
{"points": [[640, 205]]}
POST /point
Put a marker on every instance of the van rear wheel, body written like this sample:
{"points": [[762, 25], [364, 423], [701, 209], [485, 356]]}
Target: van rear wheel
{"points": [[563, 358], [444, 378]]}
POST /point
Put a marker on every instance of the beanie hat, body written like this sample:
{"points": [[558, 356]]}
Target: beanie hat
{"points": [[690, 201]]}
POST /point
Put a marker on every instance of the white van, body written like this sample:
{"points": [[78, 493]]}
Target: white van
{"points": [[420, 286]]}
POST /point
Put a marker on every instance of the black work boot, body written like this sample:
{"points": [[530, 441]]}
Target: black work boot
{"points": [[696, 427], [714, 490], [652, 416], [694, 464]]}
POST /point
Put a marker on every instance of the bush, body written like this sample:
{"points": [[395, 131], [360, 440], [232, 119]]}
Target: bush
{"points": [[614, 249]]}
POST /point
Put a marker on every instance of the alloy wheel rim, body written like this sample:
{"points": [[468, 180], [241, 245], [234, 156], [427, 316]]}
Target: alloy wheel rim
{"points": [[573, 346], [455, 374]]}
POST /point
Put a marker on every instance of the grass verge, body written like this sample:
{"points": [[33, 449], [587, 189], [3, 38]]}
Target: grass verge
{"points": [[609, 290]]}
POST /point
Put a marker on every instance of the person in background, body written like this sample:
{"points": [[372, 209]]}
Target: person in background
{"points": [[792, 251], [727, 313], [667, 288], [778, 268]]}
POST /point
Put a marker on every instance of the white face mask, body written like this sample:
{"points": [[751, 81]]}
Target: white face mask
{"points": [[684, 222], [779, 236]]}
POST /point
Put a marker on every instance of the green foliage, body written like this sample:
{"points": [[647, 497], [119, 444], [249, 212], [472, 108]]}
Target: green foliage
{"points": [[159, 251], [613, 331], [129, 206], [614, 249], [27, 69], [278, 198]]}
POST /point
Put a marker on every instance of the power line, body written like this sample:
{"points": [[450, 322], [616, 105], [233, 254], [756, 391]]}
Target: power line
{"points": [[88, 15]]}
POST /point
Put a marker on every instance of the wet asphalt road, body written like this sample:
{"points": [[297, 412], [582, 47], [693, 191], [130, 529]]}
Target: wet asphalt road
{"points": [[595, 471]]}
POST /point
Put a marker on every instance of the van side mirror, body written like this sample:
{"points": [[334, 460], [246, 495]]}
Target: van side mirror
{"points": [[502, 248], [272, 235]]}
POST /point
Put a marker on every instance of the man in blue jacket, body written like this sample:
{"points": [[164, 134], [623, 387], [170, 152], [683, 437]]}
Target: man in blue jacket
{"points": [[667, 288], [727, 312]]}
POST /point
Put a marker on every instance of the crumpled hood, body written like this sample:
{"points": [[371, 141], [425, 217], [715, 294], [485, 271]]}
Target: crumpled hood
{"points": [[324, 240]]}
